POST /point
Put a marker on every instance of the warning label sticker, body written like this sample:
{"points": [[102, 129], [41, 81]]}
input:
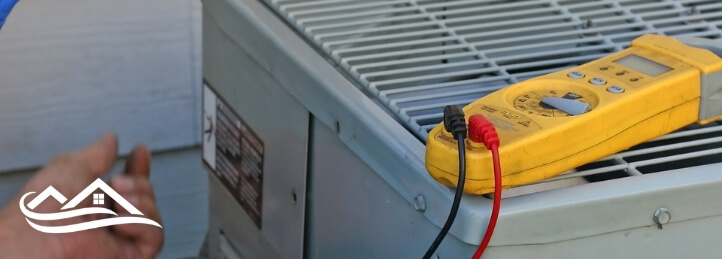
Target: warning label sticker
{"points": [[234, 153]]}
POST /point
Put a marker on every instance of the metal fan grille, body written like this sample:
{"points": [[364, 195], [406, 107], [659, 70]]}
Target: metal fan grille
{"points": [[416, 56]]}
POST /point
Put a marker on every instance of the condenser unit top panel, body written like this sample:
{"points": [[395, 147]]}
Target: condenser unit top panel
{"points": [[416, 56]]}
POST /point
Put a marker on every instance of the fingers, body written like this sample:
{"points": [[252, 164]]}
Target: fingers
{"points": [[138, 162], [70, 172], [146, 239], [95, 160], [132, 185], [100, 156]]}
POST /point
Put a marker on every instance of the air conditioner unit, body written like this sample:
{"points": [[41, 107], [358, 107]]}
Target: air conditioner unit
{"points": [[316, 114]]}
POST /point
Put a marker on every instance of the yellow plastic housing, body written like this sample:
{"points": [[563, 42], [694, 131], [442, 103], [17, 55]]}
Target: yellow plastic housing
{"points": [[535, 147]]}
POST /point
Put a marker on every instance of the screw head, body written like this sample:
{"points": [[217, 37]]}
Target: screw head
{"points": [[662, 216], [420, 203]]}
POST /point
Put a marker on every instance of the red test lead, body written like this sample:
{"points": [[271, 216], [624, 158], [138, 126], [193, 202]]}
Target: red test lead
{"points": [[482, 130]]}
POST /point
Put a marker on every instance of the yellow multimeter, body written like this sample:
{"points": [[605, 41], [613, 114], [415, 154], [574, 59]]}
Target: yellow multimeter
{"points": [[553, 123]]}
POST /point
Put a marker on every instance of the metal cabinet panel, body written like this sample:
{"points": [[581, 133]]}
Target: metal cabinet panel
{"points": [[280, 122], [354, 213]]}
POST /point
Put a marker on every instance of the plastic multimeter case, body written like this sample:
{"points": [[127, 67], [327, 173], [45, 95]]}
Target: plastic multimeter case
{"points": [[556, 122]]}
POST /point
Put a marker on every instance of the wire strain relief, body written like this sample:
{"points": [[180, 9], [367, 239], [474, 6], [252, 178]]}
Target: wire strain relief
{"points": [[481, 130], [455, 121]]}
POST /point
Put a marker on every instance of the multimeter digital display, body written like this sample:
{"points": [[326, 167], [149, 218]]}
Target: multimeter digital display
{"points": [[556, 122], [643, 65]]}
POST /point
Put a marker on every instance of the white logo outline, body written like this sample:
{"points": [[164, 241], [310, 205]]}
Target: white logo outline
{"points": [[97, 184]]}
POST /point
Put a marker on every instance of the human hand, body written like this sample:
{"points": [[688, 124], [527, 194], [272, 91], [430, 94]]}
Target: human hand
{"points": [[5, 7], [70, 173]]}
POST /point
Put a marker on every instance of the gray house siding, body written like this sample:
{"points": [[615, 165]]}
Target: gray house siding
{"points": [[72, 70]]}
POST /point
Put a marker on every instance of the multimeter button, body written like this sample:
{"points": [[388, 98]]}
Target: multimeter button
{"points": [[575, 74], [615, 89], [597, 81], [571, 107]]}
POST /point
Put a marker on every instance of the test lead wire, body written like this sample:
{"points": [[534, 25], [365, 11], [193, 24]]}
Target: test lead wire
{"points": [[455, 123], [482, 130]]}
